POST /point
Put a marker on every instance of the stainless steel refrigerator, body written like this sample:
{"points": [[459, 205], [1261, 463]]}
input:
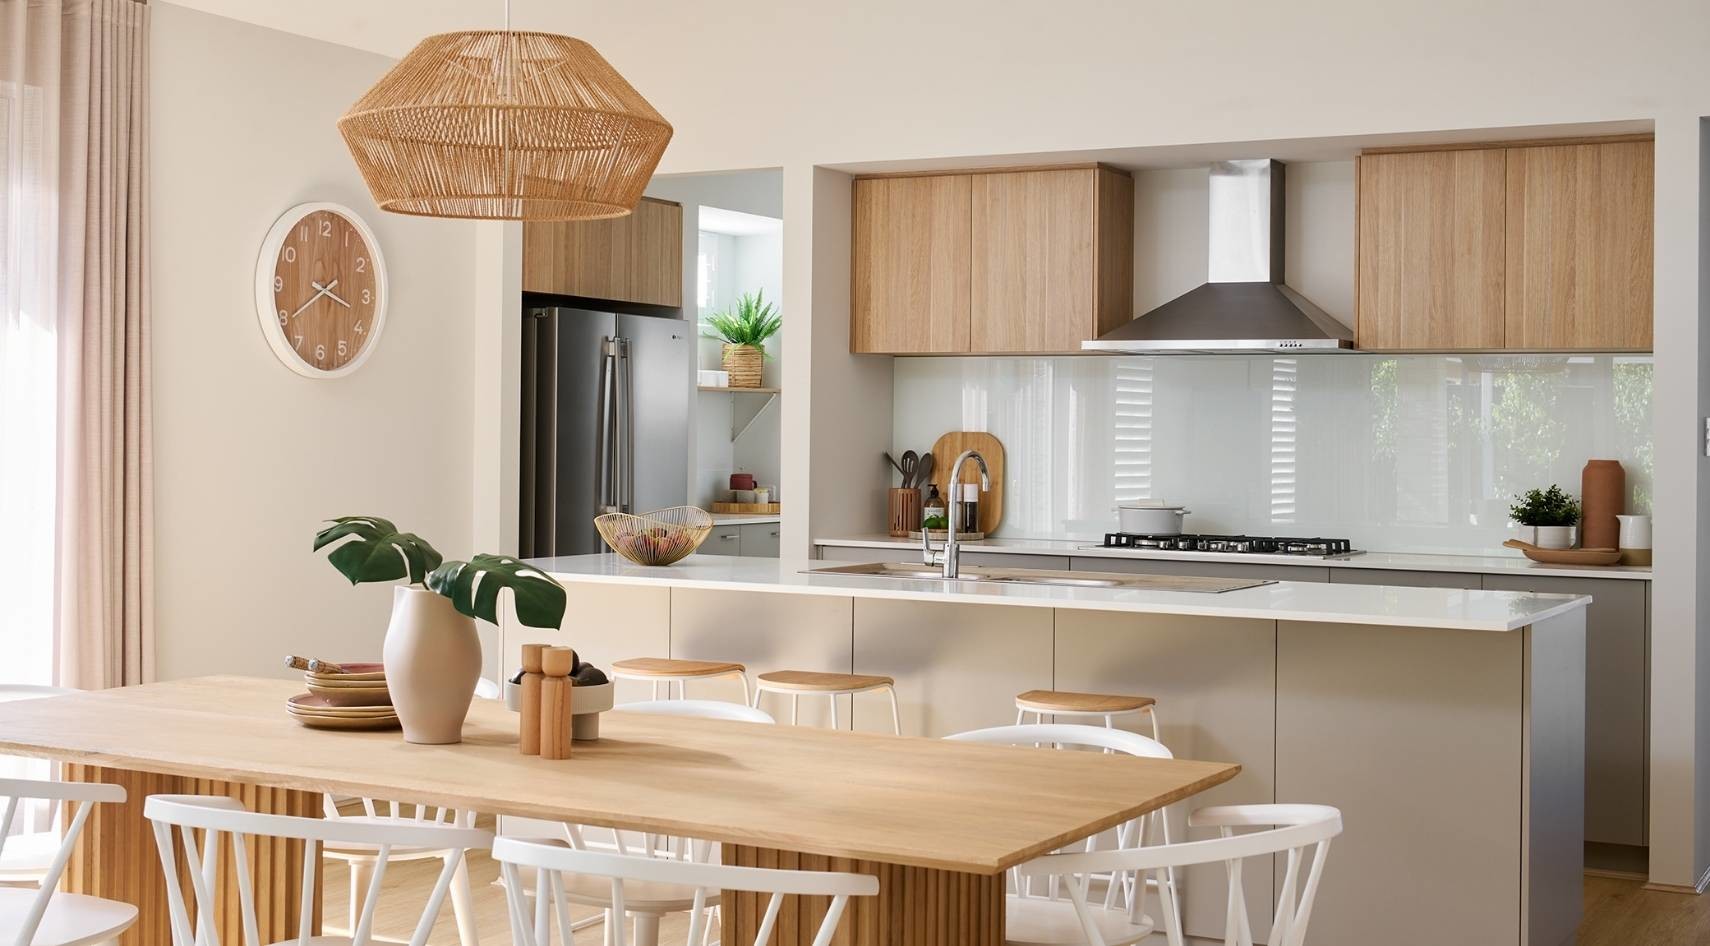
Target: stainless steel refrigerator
{"points": [[605, 422]]}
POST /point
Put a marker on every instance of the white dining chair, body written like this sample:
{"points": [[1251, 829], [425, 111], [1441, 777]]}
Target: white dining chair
{"points": [[1302, 832], [42, 916], [203, 822], [703, 709], [30, 849], [659, 900], [1049, 919], [363, 858], [629, 883]]}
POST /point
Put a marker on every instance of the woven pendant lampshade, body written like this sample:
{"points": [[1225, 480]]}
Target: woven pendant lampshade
{"points": [[504, 125]]}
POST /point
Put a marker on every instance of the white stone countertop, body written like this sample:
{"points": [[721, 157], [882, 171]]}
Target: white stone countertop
{"points": [[1277, 601], [1400, 561], [735, 519]]}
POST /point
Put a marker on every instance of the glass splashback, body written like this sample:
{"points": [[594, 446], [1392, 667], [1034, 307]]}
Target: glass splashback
{"points": [[1398, 453]]}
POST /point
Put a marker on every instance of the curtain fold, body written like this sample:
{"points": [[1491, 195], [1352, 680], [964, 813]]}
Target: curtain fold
{"points": [[87, 61]]}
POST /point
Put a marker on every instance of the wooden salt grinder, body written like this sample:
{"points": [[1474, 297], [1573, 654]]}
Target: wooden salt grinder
{"points": [[528, 709], [555, 665]]}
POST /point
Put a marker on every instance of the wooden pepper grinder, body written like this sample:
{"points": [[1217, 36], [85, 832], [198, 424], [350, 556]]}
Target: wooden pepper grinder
{"points": [[555, 664], [528, 710]]}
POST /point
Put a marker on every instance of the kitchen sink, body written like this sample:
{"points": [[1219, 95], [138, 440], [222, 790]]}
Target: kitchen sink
{"points": [[1039, 576]]}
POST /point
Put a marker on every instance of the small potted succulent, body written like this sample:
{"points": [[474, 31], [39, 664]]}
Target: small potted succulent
{"points": [[1547, 517], [432, 655], [744, 331]]}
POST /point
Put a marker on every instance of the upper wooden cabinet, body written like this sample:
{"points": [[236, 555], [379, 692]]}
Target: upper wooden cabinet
{"points": [[1579, 246], [991, 262], [636, 258], [1533, 247], [910, 280], [1430, 250]]}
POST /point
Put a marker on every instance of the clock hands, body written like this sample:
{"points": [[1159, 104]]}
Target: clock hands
{"points": [[326, 290]]}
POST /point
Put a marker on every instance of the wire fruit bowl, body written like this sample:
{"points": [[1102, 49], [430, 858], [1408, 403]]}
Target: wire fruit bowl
{"points": [[660, 537]]}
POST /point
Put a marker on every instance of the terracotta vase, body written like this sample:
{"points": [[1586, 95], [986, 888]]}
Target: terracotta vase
{"points": [[1602, 497], [433, 659]]}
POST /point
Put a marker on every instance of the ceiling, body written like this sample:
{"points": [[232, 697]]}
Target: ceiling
{"points": [[737, 223], [391, 27]]}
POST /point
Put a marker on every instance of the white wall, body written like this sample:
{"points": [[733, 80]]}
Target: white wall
{"points": [[250, 457]]}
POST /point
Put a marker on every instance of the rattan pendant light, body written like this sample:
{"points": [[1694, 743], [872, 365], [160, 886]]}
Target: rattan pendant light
{"points": [[503, 125]]}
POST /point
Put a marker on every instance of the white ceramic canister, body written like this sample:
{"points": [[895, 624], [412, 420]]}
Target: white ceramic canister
{"points": [[1635, 540]]}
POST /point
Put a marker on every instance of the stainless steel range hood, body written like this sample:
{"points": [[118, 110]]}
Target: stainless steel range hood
{"points": [[1244, 307]]}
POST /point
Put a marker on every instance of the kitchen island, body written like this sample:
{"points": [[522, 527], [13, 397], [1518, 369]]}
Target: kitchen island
{"points": [[1446, 724]]}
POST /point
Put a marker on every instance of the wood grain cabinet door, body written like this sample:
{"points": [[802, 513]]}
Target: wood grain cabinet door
{"points": [[909, 283], [1580, 246], [1033, 260], [636, 258], [1430, 274]]}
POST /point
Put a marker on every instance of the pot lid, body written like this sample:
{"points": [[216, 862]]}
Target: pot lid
{"points": [[1149, 504]]}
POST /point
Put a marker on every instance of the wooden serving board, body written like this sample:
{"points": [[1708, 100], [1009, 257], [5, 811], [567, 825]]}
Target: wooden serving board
{"points": [[945, 452], [747, 509]]}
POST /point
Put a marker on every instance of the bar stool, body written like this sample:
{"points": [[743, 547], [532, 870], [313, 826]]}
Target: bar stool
{"points": [[794, 683], [1043, 703], [666, 670]]}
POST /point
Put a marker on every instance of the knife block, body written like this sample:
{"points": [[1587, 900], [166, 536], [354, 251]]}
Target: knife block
{"points": [[904, 511]]}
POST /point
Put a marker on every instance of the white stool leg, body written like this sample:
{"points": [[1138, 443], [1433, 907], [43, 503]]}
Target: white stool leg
{"points": [[743, 676], [795, 708], [656, 689], [758, 690], [1020, 716], [1152, 711], [833, 697], [896, 717]]}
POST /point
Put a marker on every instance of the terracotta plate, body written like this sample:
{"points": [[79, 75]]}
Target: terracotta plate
{"points": [[348, 722], [309, 704]]}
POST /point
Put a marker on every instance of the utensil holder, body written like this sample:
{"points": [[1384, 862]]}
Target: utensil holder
{"points": [[904, 511]]}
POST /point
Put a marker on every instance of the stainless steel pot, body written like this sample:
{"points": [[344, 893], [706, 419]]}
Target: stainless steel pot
{"points": [[1149, 519]]}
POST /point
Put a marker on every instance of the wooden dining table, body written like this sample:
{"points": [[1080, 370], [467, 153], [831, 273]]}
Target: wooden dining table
{"points": [[938, 822]]}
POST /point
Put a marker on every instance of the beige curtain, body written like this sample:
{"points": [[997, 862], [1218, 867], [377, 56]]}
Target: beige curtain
{"points": [[86, 62]]}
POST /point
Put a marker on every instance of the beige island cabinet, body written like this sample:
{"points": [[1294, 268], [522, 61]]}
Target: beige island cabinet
{"points": [[1446, 724]]}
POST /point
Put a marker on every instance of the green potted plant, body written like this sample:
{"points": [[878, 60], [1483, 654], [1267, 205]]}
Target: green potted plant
{"points": [[744, 331], [432, 655], [1550, 515]]}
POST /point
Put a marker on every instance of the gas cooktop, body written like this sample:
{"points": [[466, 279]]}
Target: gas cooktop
{"points": [[1316, 547]]}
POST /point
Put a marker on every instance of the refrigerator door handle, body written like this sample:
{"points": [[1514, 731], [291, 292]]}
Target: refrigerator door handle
{"points": [[605, 431], [626, 428]]}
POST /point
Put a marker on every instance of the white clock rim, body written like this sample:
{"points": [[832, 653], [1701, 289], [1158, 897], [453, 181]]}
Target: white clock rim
{"points": [[266, 315]]}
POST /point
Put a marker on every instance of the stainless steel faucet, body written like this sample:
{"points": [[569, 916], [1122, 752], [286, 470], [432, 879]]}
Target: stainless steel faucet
{"points": [[950, 556]]}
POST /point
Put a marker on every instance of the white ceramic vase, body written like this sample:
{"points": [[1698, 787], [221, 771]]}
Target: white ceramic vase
{"points": [[433, 658]]}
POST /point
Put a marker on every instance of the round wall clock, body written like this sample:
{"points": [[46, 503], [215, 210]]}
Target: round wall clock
{"points": [[320, 290]]}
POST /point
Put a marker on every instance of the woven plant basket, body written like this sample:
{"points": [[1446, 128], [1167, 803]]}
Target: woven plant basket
{"points": [[745, 364]]}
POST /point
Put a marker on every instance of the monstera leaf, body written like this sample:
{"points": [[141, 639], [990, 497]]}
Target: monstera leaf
{"points": [[474, 587], [377, 551]]}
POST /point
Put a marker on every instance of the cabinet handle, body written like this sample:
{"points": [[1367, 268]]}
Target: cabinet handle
{"points": [[774, 534], [727, 538]]}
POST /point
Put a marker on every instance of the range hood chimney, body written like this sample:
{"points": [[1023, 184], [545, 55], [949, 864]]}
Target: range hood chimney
{"points": [[1244, 306]]}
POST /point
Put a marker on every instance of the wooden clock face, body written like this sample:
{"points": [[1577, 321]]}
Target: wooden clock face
{"points": [[324, 284]]}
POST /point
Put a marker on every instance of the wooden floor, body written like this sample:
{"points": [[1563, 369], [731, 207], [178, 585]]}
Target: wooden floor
{"points": [[1617, 912]]}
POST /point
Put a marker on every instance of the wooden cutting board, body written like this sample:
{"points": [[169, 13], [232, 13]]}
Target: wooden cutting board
{"points": [[945, 452]]}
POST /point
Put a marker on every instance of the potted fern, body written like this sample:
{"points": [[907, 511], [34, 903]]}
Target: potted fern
{"points": [[432, 654], [744, 331]]}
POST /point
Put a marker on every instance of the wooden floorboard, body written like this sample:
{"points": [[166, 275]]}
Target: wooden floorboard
{"points": [[1617, 912]]}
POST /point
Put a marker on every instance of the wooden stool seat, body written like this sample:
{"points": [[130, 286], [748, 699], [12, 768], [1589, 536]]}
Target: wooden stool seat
{"points": [[1092, 704], [669, 667], [810, 681], [669, 670], [795, 683]]}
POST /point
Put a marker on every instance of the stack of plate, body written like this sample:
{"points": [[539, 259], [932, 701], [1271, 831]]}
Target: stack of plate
{"points": [[354, 698]]}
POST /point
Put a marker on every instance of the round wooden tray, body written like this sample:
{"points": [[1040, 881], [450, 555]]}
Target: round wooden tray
{"points": [[1566, 556]]}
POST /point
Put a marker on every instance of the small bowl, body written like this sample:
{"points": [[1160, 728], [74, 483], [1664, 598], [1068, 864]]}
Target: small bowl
{"points": [[586, 705]]}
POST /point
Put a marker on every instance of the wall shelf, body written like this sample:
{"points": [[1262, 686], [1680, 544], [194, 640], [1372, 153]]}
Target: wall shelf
{"points": [[744, 410]]}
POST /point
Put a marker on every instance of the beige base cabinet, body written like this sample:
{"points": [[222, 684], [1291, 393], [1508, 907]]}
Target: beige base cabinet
{"points": [[991, 262], [754, 539]]}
